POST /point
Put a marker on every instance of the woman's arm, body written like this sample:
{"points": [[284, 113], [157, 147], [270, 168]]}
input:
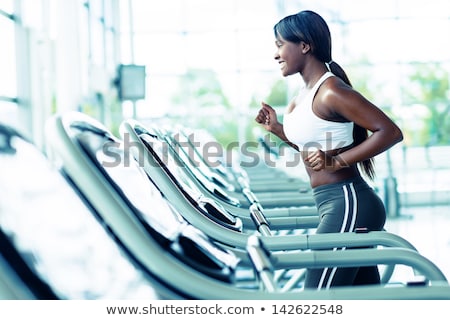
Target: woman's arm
{"points": [[341, 100]]}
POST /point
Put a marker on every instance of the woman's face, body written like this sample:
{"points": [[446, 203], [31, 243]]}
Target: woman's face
{"points": [[289, 56]]}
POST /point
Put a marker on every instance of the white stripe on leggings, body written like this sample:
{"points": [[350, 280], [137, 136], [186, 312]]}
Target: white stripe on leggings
{"points": [[344, 223]]}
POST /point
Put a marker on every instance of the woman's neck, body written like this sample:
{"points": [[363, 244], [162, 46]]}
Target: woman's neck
{"points": [[312, 73]]}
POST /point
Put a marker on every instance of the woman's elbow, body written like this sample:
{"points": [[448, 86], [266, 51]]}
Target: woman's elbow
{"points": [[397, 135]]}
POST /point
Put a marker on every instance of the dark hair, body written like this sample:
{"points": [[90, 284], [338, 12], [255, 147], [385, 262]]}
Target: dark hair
{"points": [[311, 28]]}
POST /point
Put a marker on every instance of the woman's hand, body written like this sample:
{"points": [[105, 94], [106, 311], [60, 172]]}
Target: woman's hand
{"points": [[267, 117], [319, 160]]}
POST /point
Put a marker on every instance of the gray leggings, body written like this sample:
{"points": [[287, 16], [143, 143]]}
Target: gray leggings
{"points": [[343, 207]]}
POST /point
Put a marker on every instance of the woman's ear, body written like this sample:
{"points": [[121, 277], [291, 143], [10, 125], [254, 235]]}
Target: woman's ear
{"points": [[305, 47]]}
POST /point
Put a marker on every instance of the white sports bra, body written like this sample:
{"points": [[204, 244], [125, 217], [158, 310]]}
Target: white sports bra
{"points": [[309, 132]]}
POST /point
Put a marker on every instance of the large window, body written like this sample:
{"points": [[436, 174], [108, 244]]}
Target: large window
{"points": [[202, 58]]}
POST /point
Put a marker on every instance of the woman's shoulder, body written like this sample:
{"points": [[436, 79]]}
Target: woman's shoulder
{"points": [[335, 89], [336, 83], [333, 96]]}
